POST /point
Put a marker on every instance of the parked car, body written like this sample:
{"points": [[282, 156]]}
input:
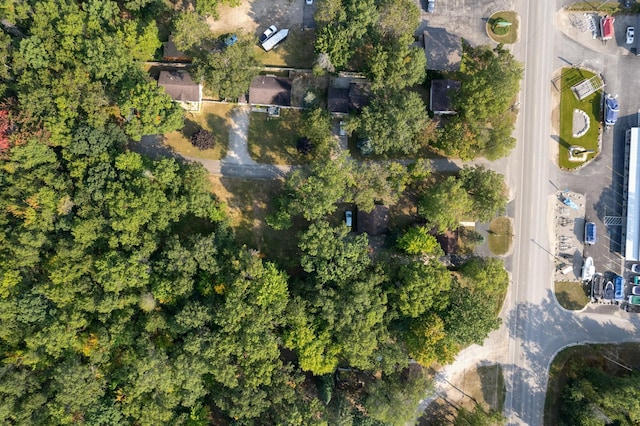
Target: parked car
{"points": [[308, 2], [348, 218], [630, 35], [590, 233], [268, 33], [611, 110], [231, 40], [342, 130], [635, 290], [635, 268], [431, 6]]}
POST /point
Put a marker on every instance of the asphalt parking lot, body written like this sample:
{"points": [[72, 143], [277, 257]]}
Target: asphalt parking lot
{"points": [[462, 18], [602, 180]]}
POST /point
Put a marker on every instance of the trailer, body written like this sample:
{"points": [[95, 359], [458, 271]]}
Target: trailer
{"points": [[273, 41], [606, 27]]}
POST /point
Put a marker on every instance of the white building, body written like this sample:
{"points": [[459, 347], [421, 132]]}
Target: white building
{"points": [[631, 196]]}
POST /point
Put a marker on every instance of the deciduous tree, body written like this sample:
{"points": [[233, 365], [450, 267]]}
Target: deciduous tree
{"points": [[230, 70], [392, 122]]}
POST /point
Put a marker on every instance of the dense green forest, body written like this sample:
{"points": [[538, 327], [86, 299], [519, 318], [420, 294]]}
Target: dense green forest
{"points": [[593, 395], [124, 295]]}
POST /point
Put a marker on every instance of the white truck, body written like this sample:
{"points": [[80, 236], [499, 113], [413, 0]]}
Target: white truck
{"points": [[273, 41]]}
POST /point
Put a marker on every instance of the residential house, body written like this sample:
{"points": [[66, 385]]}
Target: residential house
{"points": [[180, 86], [344, 100], [270, 91], [440, 96]]}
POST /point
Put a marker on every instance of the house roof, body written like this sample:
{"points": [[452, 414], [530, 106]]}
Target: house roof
{"points": [[374, 223], [448, 241], [359, 95], [180, 86], [338, 100], [442, 49], [270, 90], [440, 98], [171, 53]]}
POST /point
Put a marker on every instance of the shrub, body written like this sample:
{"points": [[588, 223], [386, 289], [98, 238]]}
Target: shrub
{"points": [[203, 139]]}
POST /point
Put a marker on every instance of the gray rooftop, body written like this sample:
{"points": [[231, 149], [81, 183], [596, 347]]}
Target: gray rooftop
{"points": [[180, 86], [442, 49], [270, 90]]}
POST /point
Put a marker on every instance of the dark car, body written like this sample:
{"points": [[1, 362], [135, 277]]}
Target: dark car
{"points": [[611, 110]]}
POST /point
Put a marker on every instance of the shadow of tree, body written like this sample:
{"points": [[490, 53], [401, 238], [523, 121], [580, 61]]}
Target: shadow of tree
{"points": [[543, 329]]}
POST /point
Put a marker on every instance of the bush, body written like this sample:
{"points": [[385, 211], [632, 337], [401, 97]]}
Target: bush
{"points": [[304, 146], [203, 139]]}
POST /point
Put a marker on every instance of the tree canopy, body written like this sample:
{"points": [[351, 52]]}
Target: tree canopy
{"points": [[380, 34], [125, 295], [475, 194], [392, 122], [490, 80], [228, 70]]}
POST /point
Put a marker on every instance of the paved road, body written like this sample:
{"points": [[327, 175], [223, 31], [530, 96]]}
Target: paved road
{"points": [[535, 326]]}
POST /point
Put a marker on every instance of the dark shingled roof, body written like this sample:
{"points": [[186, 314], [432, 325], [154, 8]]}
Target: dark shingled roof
{"points": [[442, 49], [269, 90], [180, 86], [374, 223], [359, 95], [338, 100], [171, 53], [440, 99]]}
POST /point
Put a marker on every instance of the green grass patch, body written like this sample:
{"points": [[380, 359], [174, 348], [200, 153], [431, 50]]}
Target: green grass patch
{"points": [[500, 236], [297, 51], [608, 8], [506, 35], [571, 295], [273, 140], [568, 102], [249, 201], [215, 118]]}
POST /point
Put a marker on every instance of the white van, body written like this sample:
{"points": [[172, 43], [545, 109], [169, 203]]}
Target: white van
{"points": [[273, 41]]}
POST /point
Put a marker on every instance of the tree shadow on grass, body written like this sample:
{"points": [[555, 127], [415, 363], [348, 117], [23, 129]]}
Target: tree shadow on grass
{"points": [[492, 385]]}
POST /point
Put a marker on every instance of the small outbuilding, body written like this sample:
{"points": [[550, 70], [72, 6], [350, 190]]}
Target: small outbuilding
{"points": [[270, 91], [170, 52], [180, 86], [441, 96]]}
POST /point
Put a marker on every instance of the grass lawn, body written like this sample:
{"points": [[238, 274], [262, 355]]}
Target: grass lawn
{"points": [[274, 141], [571, 295], [297, 51], [568, 102], [215, 118], [511, 34], [607, 8], [249, 201], [500, 235]]}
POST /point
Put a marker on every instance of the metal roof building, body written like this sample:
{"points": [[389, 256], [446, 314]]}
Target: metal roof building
{"points": [[631, 196]]}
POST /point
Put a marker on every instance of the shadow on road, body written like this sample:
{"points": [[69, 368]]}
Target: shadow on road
{"points": [[544, 329]]}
